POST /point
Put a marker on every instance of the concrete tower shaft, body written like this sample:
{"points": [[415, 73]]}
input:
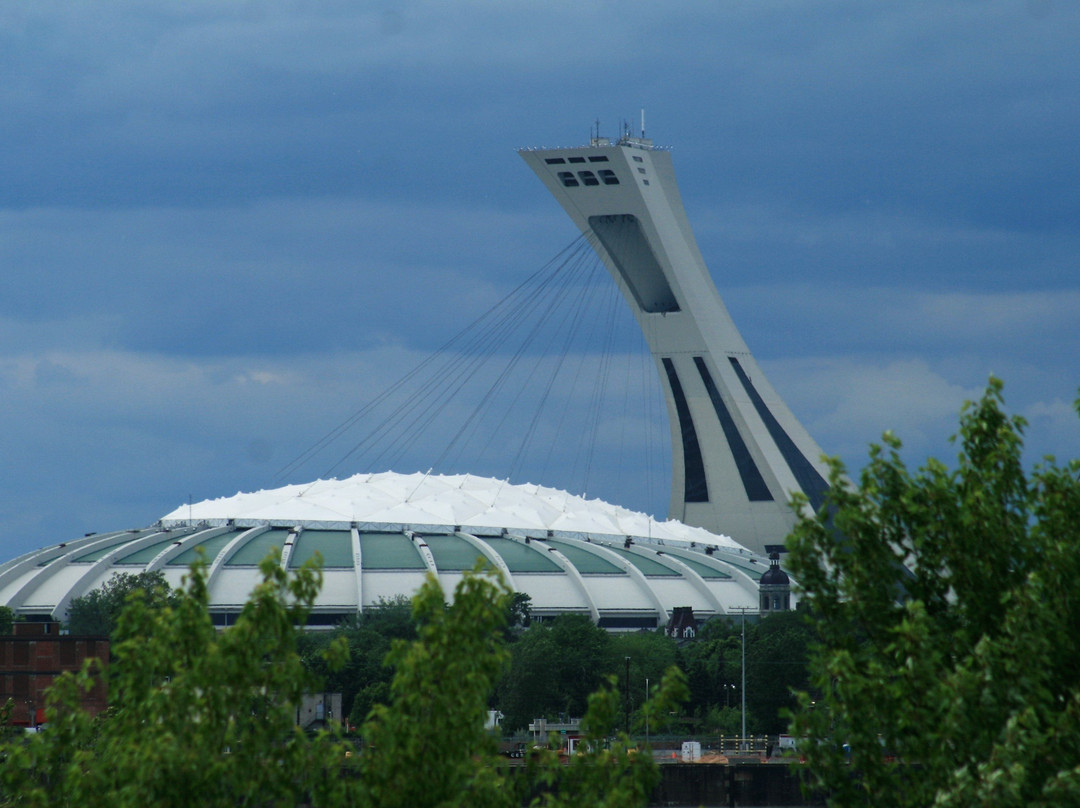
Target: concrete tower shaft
{"points": [[739, 452]]}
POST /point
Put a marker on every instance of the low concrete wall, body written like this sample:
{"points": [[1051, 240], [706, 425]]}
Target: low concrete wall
{"points": [[717, 786]]}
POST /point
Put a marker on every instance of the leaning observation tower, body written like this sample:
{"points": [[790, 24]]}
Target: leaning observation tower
{"points": [[739, 452]]}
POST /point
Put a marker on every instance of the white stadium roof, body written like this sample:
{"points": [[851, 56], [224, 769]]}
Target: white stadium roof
{"points": [[464, 500], [379, 535]]}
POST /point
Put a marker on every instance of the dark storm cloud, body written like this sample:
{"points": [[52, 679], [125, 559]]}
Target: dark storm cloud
{"points": [[221, 225]]}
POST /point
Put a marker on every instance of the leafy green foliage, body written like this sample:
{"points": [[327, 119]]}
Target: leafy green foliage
{"points": [[364, 679], [97, 612], [945, 610], [197, 716], [427, 745], [777, 659], [7, 620], [609, 771], [438, 704], [555, 666], [650, 654], [205, 717], [776, 664], [519, 613], [7, 730]]}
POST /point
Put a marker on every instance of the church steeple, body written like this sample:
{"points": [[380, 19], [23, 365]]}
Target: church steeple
{"points": [[774, 588]]}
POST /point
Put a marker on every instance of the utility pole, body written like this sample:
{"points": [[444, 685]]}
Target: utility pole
{"points": [[744, 678], [646, 711], [743, 610], [626, 697]]}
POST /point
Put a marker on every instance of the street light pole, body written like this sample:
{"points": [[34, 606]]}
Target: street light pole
{"points": [[743, 610], [744, 679], [646, 711]]}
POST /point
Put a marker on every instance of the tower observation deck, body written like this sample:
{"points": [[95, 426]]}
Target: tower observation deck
{"points": [[739, 452]]}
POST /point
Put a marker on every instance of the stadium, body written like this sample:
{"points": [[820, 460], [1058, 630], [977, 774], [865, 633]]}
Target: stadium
{"points": [[738, 457], [379, 535]]}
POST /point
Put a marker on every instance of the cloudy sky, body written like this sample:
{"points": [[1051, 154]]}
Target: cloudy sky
{"points": [[225, 226]]}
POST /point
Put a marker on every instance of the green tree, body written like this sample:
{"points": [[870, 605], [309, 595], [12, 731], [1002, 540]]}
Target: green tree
{"points": [[712, 665], [196, 715], [554, 668], [519, 614], [364, 679], [945, 612], [7, 620], [7, 729], [651, 653], [610, 772], [438, 703], [426, 746], [204, 717], [97, 611], [776, 667]]}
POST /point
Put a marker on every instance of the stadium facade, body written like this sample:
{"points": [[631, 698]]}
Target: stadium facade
{"points": [[379, 535]]}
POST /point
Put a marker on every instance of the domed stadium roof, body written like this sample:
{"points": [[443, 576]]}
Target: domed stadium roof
{"points": [[379, 535]]}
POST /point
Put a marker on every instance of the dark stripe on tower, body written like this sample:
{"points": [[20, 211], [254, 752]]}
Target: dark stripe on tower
{"points": [[696, 488], [753, 482], [808, 477]]}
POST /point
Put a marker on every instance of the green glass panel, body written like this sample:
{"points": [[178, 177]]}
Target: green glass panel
{"points": [[58, 551], [100, 552], [755, 571], [52, 556], [700, 567], [211, 547], [452, 553], [335, 547], [146, 554], [587, 563], [647, 565], [254, 550], [522, 557], [389, 551]]}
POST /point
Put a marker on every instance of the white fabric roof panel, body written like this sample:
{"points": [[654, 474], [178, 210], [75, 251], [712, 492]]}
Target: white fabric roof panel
{"points": [[455, 500]]}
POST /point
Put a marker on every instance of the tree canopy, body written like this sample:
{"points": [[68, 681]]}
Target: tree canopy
{"points": [[196, 715], [945, 611], [776, 659], [554, 668], [201, 716], [98, 611], [364, 679]]}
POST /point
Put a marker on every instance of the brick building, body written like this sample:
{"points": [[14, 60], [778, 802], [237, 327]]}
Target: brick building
{"points": [[32, 658]]}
